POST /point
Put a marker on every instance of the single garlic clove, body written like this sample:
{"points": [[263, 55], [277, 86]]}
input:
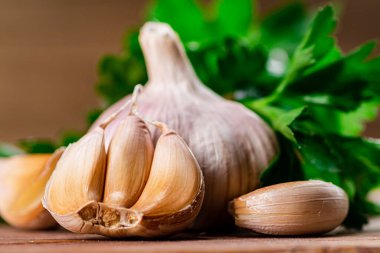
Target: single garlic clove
{"points": [[79, 175], [175, 178], [22, 184], [174, 193], [130, 156], [294, 208]]}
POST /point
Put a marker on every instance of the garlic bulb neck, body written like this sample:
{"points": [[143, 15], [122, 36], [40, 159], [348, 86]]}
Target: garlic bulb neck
{"points": [[167, 63]]}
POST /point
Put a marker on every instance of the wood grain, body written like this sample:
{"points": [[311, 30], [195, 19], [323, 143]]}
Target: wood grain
{"points": [[12, 240]]}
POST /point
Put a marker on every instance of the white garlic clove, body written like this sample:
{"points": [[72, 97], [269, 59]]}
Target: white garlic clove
{"points": [[175, 178], [130, 156], [22, 182], [294, 208], [79, 175], [173, 195]]}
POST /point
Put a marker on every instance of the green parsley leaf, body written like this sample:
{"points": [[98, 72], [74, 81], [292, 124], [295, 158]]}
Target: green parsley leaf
{"points": [[7, 150], [285, 27], [279, 119], [186, 10], [38, 146], [234, 20]]}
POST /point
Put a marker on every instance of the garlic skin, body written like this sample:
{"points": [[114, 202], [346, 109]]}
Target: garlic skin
{"points": [[294, 208], [22, 183], [231, 143], [170, 198]]}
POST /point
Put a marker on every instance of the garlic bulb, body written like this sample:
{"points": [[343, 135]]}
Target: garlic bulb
{"points": [[231, 143], [294, 208], [22, 184], [138, 191]]}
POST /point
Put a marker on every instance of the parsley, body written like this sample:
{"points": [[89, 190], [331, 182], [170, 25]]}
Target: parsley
{"points": [[318, 110], [40, 146], [7, 150]]}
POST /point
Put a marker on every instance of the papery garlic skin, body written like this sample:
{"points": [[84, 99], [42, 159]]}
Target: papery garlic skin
{"points": [[294, 208], [22, 182], [231, 143]]}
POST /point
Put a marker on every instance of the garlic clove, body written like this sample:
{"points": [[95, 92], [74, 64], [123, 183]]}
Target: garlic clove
{"points": [[79, 175], [173, 195], [175, 178], [130, 156], [294, 208], [23, 179]]}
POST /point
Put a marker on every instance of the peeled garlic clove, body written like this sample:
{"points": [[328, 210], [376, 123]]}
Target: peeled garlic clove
{"points": [[77, 180], [22, 184], [294, 208], [130, 156], [231, 143]]}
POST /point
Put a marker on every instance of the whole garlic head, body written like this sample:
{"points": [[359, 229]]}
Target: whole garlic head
{"points": [[231, 143], [22, 184]]}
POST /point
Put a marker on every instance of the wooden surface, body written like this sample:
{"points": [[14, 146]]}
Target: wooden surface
{"points": [[12, 240]]}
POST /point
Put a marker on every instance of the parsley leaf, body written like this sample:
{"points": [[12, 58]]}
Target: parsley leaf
{"points": [[221, 20], [38, 146], [7, 150], [284, 28]]}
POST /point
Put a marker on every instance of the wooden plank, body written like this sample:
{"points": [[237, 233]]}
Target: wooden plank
{"points": [[13, 240]]}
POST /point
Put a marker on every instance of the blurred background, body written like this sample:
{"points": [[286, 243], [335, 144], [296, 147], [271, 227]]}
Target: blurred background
{"points": [[49, 51]]}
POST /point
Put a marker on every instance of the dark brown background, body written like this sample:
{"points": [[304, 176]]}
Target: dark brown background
{"points": [[49, 52]]}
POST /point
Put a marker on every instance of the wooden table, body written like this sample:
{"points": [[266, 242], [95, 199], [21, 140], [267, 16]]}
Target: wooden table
{"points": [[12, 240]]}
